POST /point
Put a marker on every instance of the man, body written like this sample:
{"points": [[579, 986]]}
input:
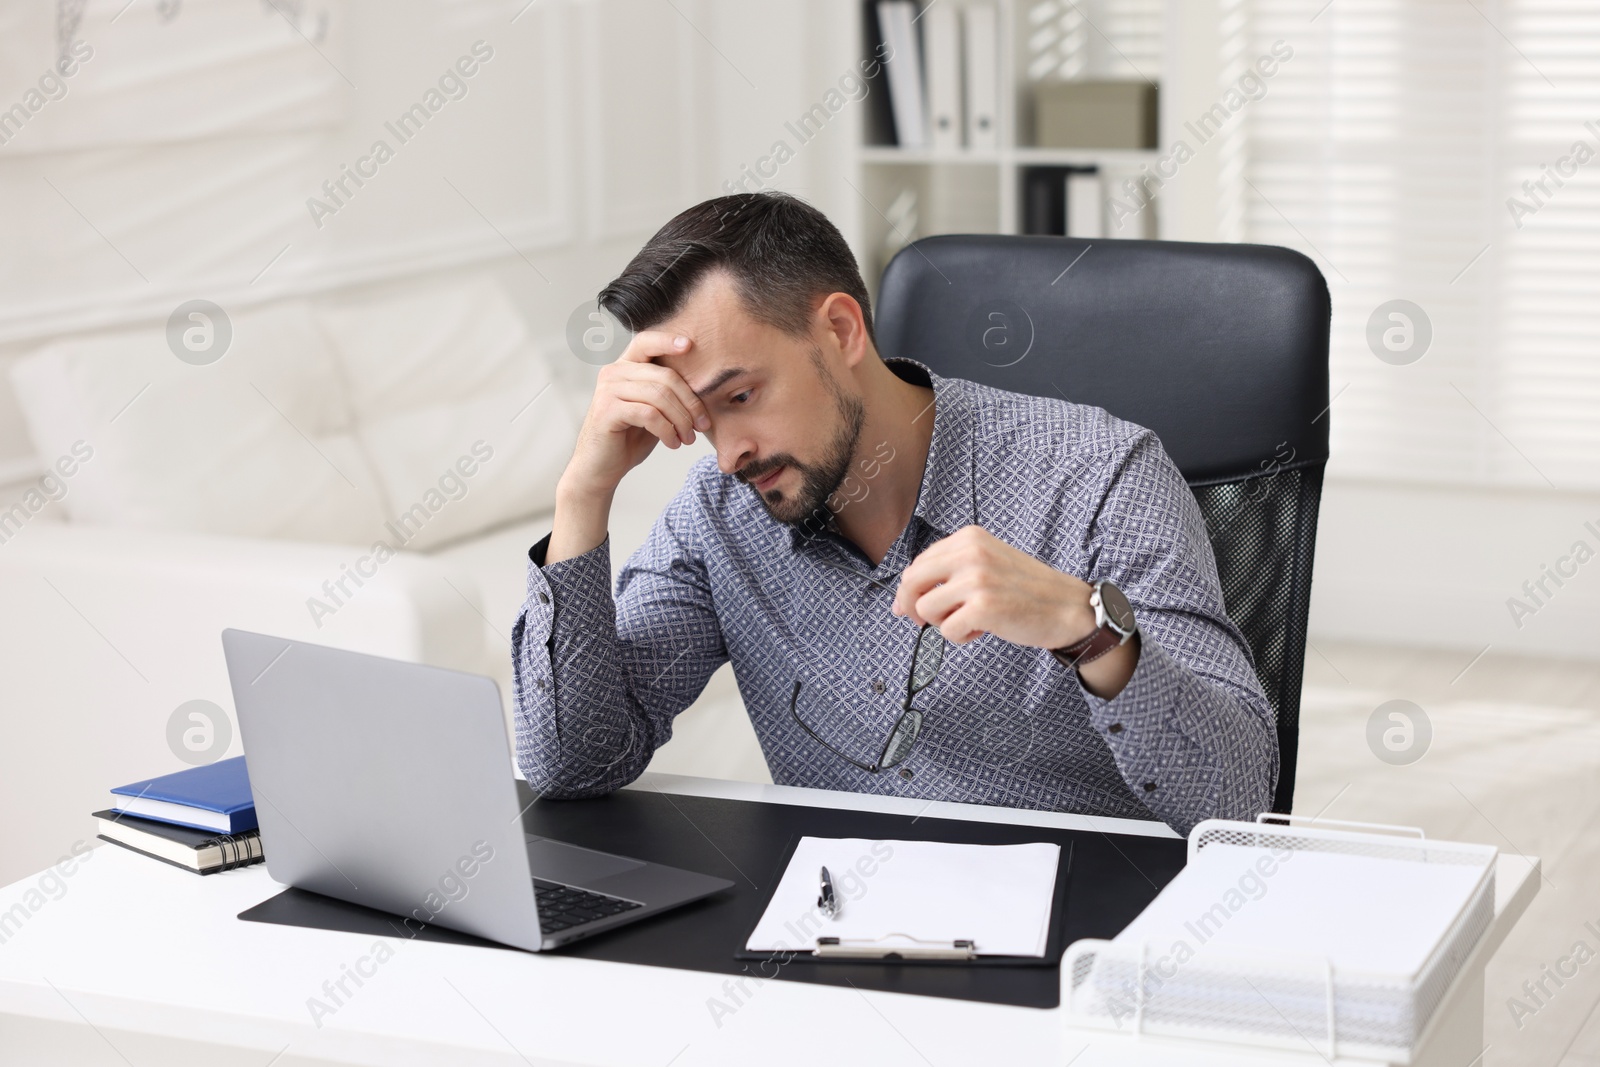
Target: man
{"points": [[861, 514]]}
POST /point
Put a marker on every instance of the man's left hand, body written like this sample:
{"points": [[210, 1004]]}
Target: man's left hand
{"points": [[973, 583]]}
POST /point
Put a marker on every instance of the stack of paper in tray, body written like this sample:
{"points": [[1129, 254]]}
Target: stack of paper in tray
{"points": [[1343, 936]]}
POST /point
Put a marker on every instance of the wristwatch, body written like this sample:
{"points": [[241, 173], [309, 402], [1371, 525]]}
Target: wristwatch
{"points": [[1114, 625]]}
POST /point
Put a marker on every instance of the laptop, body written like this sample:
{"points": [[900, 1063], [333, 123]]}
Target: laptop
{"points": [[391, 785]]}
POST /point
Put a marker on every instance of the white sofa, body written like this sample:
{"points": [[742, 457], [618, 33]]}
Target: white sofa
{"points": [[240, 493]]}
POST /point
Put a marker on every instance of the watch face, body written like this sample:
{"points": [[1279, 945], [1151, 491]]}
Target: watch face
{"points": [[1118, 611]]}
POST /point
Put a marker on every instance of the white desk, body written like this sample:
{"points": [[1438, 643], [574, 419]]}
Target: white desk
{"points": [[138, 962]]}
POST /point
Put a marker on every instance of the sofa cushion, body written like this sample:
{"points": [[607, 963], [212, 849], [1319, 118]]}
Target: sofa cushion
{"points": [[442, 379], [418, 414], [258, 443]]}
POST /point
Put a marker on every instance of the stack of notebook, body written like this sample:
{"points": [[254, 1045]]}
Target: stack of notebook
{"points": [[202, 819]]}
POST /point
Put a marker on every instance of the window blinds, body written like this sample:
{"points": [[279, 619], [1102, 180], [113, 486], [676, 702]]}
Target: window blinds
{"points": [[1393, 149], [1068, 39]]}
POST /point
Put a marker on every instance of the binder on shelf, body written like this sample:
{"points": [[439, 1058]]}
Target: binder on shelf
{"points": [[943, 37], [1276, 933], [878, 116], [982, 75], [1045, 192], [1085, 208], [915, 902], [897, 22]]}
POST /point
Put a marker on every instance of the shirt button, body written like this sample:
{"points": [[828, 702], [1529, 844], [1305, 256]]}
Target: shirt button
{"points": [[1149, 787], [544, 598], [905, 772], [878, 686], [540, 684], [1115, 728]]}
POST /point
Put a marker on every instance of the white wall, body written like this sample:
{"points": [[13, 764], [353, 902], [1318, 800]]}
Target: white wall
{"points": [[1435, 566], [609, 117]]}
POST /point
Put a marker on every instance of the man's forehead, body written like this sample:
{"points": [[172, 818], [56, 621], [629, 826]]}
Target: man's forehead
{"points": [[721, 350], [728, 340]]}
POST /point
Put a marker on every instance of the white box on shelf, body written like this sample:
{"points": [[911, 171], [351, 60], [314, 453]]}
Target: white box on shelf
{"points": [[1085, 205]]}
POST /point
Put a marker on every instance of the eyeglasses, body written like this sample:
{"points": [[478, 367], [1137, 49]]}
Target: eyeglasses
{"points": [[926, 660]]}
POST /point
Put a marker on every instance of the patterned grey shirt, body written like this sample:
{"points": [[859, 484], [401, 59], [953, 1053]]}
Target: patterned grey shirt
{"points": [[600, 678]]}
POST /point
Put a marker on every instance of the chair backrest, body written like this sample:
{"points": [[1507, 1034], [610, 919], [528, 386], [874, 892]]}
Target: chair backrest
{"points": [[1220, 349]]}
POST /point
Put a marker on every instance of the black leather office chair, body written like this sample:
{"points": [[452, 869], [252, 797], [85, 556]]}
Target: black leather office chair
{"points": [[1221, 349]]}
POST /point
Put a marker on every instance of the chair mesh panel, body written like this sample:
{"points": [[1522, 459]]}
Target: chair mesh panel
{"points": [[1262, 531]]}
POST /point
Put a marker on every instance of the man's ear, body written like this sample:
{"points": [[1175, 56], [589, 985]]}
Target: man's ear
{"points": [[841, 318]]}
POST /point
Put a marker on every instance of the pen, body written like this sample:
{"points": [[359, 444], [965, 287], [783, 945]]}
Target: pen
{"points": [[828, 902]]}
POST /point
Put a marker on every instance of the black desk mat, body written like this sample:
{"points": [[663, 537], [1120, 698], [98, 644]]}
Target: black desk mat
{"points": [[1111, 880]]}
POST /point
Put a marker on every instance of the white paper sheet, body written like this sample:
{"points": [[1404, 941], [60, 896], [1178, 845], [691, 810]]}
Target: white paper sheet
{"points": [[1360, 912], [998, 896]]}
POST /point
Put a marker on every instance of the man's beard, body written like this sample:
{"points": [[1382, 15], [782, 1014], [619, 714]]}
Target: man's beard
{"points": [[819, 481]]}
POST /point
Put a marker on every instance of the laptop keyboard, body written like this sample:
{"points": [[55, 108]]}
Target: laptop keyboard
{"points": [[561, 906]]}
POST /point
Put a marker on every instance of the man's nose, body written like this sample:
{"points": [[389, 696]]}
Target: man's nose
{"points": [[732, 456]]}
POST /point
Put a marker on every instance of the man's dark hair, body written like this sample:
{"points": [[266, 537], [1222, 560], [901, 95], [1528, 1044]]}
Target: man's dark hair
{"points": [[782, 254]]}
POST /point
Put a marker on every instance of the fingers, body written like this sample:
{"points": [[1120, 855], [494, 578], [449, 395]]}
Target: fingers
{"points": [[659, 395], [648, 344], [648, 417], [961, 626], [959, 610], [635, 366], [635, 399], [937, 603], [948, 584], [969, 548], [928, 570]]}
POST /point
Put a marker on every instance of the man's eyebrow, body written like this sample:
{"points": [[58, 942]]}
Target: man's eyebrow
{"points": [[722, 378]]}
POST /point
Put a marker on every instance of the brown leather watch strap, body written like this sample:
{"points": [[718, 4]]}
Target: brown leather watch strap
{"points": [[1089, 649]]}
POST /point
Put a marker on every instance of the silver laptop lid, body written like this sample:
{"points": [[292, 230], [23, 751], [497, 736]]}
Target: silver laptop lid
{"points": [[384, 783]]}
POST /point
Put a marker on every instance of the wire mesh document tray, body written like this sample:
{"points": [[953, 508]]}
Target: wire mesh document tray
{"points": [[1352, 950]]}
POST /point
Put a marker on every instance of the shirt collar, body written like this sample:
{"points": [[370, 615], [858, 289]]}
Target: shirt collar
{"points": [[947, 497]]}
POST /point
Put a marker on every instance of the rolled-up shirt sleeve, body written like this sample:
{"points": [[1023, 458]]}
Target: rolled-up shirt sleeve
{"points": [[1192, 732], [599, 678]]}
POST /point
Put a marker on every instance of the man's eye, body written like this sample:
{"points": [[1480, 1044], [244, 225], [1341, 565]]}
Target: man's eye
{"points": [[739, 398]]}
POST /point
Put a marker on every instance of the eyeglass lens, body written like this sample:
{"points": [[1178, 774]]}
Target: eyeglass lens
{"points": [[927, 658], [904, 736]]}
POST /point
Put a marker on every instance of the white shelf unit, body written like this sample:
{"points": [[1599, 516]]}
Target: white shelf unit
{"points": [[979, 191]]}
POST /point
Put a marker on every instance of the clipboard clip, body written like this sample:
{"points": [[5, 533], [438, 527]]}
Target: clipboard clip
{"points": [[877, 949]]}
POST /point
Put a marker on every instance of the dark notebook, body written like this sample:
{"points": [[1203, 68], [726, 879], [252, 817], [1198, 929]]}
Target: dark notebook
{"points": [[202, 851]]}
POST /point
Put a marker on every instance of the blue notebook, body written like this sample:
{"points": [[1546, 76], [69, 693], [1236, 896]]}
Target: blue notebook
{"points": [[213, 797]]}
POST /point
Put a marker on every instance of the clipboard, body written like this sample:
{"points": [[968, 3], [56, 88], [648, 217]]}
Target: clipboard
{"points": [[959, 952]]}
